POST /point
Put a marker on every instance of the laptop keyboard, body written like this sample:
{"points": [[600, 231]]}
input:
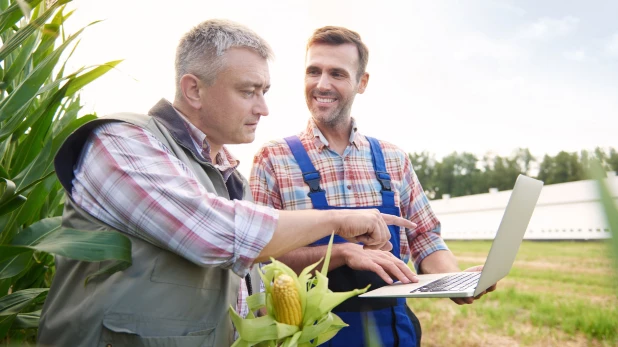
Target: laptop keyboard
{"points": [[451, 283]]}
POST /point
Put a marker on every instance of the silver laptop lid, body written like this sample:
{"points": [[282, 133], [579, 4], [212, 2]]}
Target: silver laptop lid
{"points": [[511, 231]]}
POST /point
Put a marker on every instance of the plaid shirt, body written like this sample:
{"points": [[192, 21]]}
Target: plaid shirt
{"points": [[129, 180], [349, 181]]}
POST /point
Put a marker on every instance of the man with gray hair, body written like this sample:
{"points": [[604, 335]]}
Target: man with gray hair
{"points": [[167, 181]]}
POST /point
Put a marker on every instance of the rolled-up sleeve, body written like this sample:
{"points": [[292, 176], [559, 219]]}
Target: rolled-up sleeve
{"points": [[425, 238]]}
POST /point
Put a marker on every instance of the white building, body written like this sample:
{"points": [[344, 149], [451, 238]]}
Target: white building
{"points": [[564, 211]]}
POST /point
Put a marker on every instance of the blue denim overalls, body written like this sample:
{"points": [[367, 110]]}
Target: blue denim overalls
{"points": [[390, 315]]}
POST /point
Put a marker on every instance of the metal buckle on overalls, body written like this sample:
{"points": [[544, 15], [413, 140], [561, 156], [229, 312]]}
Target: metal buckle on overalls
{"points": [[385, 180], [313, 180]]}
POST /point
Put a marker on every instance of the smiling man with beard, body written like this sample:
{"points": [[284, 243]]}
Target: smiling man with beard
{"points": [[331, 165]]}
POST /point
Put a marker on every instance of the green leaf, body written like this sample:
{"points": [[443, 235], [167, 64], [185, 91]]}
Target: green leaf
{"points": [[5, 324], [14, 303], [90, 76], [22, 59], [7, 189], [37, 197], [13, 14], [609, 205], [13, 204], [49, 236], [111, 268], [51, 32], [37, 169], [328, 252], [9, 200], [11, 251], [13, 267], [31, 85], [3, 173], [86, 245], [23, 33], [28, 320], [256, 301], [18, 125], [338, 324], [69, 113]]}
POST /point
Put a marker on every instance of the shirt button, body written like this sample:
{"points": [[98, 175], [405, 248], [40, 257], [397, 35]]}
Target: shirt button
{"points": [[349, 187]]}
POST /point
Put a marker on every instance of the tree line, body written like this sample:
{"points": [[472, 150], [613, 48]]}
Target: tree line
{"points": [[460, 174]]}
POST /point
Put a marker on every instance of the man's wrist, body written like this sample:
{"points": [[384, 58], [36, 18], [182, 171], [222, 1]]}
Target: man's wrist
{"points": [[344, 251], [333, 222]]}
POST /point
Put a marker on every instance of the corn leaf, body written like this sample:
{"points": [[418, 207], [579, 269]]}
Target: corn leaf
{"points": [[15, 266], [15, 302], [13, 14], [31, 85], [23, 33], [28, 320], [90, 76]]}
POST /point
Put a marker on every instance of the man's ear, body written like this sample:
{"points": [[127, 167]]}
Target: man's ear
{"points": [[190, 86], [362, 84]]}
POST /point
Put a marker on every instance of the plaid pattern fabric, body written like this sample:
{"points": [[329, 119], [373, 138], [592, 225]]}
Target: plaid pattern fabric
{"points": [[349, 180], [128, 179]]}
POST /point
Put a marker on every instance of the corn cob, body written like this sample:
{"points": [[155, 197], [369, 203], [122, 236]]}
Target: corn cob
{"points": [[287, 300], [298, 307]]}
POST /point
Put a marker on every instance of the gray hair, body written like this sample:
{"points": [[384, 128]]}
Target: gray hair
{"points": [[200, 51]]}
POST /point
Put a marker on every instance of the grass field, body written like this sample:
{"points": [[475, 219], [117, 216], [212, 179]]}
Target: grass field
{"points": [[557, 294]]}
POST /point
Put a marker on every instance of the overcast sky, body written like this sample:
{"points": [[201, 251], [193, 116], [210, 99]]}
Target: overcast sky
{"points": [[476, 76]]}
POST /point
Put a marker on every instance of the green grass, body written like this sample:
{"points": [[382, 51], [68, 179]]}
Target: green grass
{"points": [[557, 293]]}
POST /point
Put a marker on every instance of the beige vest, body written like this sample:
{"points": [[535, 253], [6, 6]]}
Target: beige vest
{"points": [[161, 299]]}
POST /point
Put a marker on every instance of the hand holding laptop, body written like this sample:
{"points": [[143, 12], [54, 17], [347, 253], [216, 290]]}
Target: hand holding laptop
{"points": [[470, 300], [464, 287]]}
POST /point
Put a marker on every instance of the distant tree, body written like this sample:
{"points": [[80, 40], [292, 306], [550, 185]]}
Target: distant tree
{"points": [[564, 167], [612, 160], [524, 159], [461, 174], [457, 175], [503, 173], [424, 165]]}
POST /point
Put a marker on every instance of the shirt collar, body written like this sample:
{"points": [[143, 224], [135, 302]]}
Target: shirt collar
{"points": [[225, 160], [320, 140]]}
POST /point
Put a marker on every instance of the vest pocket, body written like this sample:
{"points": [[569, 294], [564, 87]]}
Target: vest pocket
{"points": [[123, 330]]}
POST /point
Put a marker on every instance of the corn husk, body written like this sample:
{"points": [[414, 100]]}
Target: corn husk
{"points": [[319, 324]]}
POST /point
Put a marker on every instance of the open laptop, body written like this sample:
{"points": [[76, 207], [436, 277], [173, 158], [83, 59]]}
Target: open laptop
{"points": [[499, 261]]}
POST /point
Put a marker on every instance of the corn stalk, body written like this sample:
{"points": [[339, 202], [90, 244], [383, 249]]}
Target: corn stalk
{"points": [[39, 105]]}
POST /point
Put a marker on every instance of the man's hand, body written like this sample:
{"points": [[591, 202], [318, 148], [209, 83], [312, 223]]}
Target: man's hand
{"points": [[469, 300], [383, 263], [368, 227]]}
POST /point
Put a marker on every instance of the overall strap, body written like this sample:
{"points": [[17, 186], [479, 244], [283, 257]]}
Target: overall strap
{"points": [[310, 175], [377, 158]]}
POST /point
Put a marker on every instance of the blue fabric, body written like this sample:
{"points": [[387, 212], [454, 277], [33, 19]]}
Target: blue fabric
{"points": [[383, 319]]}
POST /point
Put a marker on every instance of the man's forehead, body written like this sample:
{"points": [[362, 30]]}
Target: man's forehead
{"points": [[322, 53]]}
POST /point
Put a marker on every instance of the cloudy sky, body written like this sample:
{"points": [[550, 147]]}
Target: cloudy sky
{"points": [[476, 76]]}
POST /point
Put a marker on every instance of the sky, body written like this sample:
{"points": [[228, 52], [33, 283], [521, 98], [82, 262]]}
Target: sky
{"points": [[445, 76]]}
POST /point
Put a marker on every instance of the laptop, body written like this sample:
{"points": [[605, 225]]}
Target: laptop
{"points": [[499, 261]]}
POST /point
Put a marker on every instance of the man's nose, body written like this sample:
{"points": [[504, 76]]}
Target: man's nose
{"points": [[261, 108], [324, 83]]}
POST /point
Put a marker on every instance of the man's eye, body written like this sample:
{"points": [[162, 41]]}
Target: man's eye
{"points": [[249, 92], [312, 73]]}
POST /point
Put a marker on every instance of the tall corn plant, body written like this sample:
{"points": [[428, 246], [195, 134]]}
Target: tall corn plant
{"points": [[610, 208], [39, 103]]}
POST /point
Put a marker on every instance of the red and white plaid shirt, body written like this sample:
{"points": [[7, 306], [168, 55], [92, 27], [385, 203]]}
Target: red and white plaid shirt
{"points": [[349, 180], [131, 181]]}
